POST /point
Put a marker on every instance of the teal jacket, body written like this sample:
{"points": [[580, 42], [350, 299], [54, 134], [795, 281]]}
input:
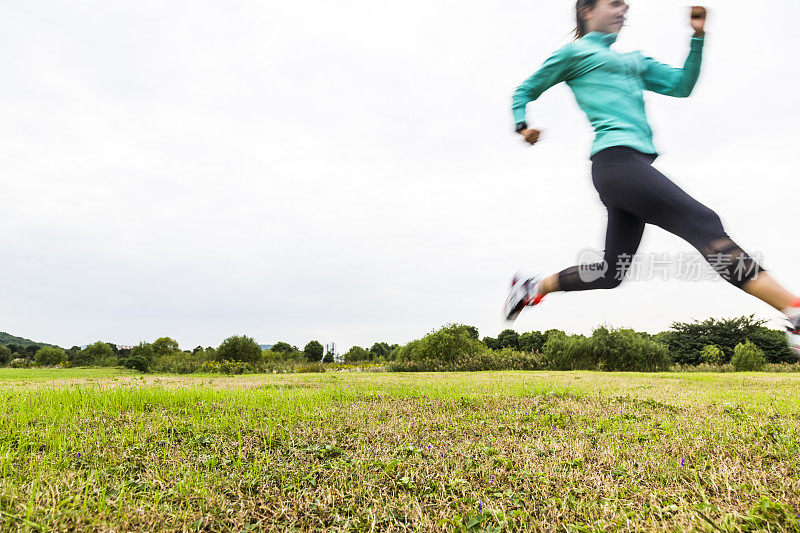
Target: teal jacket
{"points": [[608, 86]]}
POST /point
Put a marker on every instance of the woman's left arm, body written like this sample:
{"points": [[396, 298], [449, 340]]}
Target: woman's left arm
{"points": [[663, 79]]}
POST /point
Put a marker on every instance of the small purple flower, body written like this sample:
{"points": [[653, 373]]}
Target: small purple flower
{"points": [[682, 461], [480, 506], [441, 454], [491, 479], [379, 396], [429, 447], [79, 454]]}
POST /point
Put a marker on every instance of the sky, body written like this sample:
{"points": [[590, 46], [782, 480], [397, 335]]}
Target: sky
{"points": [[348, 171]]}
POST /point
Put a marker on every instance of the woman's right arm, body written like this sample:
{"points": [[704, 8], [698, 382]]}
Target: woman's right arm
{"points": [[555, 69]]}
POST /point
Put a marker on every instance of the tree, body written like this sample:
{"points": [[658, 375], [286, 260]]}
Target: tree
{"points": [[748, 357], [49, 356], [532, 341], [711, 355], [508, 339], [624, 349], [328, 358], [95, 354], [141, 357], [491, 343], [356, 353], [165, 346], [239, 348], [283, 347], [687, 340], [473, 332], [5, 355], [313, 351], [379, 349], [451, 342]]}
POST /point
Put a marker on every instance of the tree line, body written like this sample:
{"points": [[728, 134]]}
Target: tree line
{"points": [[741, 342]]}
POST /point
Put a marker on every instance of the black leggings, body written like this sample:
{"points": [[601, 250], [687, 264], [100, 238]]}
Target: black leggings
{"points": [[635, 193]]}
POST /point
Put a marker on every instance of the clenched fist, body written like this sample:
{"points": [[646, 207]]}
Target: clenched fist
{"points": [[698, 20], [531, 135]]}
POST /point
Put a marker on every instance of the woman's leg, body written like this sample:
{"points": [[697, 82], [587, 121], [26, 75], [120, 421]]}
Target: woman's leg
{"points": [[626, 179], [686, 217], [623, 235], [765, 288]]}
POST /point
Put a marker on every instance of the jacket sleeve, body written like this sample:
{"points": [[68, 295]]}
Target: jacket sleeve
{"points": [[678, 82], [557, 68]]}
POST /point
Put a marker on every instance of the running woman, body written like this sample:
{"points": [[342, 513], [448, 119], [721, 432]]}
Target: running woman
{"points": [[608, 87]]}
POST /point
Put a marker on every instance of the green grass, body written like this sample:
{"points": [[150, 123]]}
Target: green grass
{"points": [[531, 451], [49, 374]]}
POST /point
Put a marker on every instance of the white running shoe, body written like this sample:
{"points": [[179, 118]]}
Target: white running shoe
{"points": [[793, 327], [523, 291]]}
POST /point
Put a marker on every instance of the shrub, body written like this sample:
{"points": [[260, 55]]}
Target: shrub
{"points": [[712, 355], [20, 362], [5, 355], [624, 349], [505, 359], [687, 340], [569, 352], [312, 367], [98, 353], [49, 356], [230, 367], [313, 351], [748, 357], [177, 363], [141, 357], [239, 348], [356, 353], [452, 342]]}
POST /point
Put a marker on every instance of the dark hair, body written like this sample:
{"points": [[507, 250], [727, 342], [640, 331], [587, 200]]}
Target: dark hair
{"points": [[580, 29]]}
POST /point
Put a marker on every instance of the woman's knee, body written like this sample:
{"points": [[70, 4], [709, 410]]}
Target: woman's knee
{"points": [[732, 263], [709, 222]]}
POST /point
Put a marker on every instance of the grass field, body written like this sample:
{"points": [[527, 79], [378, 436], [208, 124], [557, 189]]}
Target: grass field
{"points": [[522, 451]]}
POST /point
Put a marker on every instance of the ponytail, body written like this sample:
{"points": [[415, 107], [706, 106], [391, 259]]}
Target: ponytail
{"points": [[580, 29]]}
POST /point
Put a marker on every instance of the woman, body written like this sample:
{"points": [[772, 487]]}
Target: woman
{"points": [[608, 87]]}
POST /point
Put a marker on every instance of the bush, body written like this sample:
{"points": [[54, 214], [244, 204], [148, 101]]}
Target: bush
{"points": [[450, 343], [141, 358], [20, 362], [312, 367], [98, 353], [569, 352], [49, 356], [505, 359], [712, 355], [356, 353], [230, 367], [5, 355], [748, 357], [177, 363], [626, 350], [313, 351], [687, 340], [239, 348]]}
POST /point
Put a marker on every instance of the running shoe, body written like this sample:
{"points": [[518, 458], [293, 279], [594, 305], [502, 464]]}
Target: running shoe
{"points": [[793, 328], [523, 291]]}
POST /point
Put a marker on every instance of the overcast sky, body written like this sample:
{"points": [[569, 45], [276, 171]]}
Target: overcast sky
{"points": [[348, 171]]}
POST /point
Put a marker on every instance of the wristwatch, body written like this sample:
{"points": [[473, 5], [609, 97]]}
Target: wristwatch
{"points": [[522, 126]]}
